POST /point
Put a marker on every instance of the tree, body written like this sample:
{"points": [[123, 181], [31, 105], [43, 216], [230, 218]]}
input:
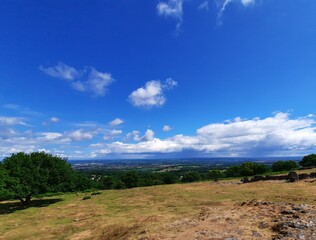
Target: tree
{"points": [[284, 166], [308, 161], [130, 179], [215, 174], [37, 173], [191, 176], [107, 182]]}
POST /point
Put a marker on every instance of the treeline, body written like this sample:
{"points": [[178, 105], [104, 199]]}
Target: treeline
{"points": [[23, 176], [120, 179]]}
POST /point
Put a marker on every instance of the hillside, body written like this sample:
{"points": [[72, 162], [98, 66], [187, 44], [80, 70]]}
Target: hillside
{"points": [[206, 210]]}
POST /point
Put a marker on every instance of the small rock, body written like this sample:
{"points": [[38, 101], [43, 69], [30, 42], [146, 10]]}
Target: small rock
{"points": [[263, 225]]}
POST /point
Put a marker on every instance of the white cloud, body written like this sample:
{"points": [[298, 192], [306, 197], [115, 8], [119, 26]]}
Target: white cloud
{"points": [[98, 82], [277, 135], [49, 136], [247, 2], [272, 136], [204, 6], [61, 71], [152, 94], [133, 135], [224, 4], [166, 128], [80, 135], [172, 8], [116, 122], [112, 134], [12, 121], [22, 110], [54, 119], [148, 136], [86, 80]]}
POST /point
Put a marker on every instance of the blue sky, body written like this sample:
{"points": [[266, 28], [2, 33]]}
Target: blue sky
{"points": [[147, 79]]}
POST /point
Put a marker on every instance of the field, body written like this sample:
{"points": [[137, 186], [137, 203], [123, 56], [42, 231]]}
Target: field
{"points": [[206, 210]]}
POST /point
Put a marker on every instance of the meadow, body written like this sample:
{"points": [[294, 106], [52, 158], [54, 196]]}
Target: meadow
{"points": [[203, 210]]}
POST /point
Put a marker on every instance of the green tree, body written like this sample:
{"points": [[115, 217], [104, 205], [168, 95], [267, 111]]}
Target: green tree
{"points": [[215, 174], [107, 182], [308, 161], [191, 176], [130, 179], [284, 166], [37, 173]]}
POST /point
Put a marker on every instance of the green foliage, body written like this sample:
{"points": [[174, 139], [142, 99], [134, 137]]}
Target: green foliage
{"points": [[107, 182], [95, 193], [130, 179], [191, 177], [86, 198], [308, 161], [37, 173], [215, 174], [284, 166], [169, 178], [247, 169]]}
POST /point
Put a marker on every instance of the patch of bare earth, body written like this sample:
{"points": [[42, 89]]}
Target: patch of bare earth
{"points": [[248, 220]]}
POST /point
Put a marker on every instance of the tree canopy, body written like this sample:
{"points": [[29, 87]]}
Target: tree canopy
{"points": [[284, 166], [309, 161], [25, 175]]}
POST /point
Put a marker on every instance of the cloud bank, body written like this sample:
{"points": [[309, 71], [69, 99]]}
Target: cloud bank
{"points": [[278, 135]]}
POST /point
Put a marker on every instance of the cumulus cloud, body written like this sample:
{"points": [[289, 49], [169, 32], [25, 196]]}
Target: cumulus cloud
{"points": [[171, 8], [271, 136], [115, 122], [152, 94], [80, 135], [166, 128], [148, 136], [133, 135], [277, 135], [225, 3], [85, 80]]}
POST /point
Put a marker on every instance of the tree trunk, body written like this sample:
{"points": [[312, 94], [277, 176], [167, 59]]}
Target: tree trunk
{"points": [[27, 201]]}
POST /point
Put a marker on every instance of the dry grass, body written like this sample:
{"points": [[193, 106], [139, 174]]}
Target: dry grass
{"points": [[177, 211]]}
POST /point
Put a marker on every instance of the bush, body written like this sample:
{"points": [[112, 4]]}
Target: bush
{"points": [[95, 193], [86, 198]]}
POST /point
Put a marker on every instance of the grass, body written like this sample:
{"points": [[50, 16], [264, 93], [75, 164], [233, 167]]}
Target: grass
{"points": [[128, 214]]}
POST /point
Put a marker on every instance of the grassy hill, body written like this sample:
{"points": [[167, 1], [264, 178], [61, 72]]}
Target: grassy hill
{"points": [[204, 210]]}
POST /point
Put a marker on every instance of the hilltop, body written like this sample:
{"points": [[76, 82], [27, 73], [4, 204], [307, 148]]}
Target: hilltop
{"points": [[205, 210]]}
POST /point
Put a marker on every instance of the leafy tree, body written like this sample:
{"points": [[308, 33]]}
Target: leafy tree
{"points": [[169, 178], [37, 173], [308, 161], [284, 166], [191, 176], [246, 169], [107, 182], [4, 193], [130, 179], [215, 174]]}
